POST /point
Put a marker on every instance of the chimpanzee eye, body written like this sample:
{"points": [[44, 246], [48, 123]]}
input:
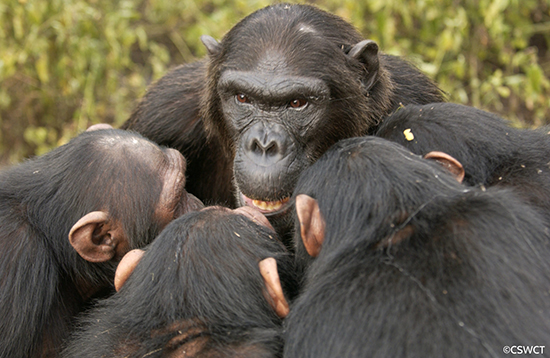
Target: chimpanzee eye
{"points": [[242, 98], [298, 103]]}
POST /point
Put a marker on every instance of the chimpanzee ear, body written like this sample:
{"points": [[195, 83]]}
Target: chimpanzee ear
{"points": [[126, 266], [449, 163], [366, 52], [268, 270], [97, 238], [212, 46], [312, 224], [99, 126]]}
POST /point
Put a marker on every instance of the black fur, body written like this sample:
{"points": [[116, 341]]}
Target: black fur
{"points": [[415, 264], [43, 281], [491, 151], [169, 115], [198, 284]]}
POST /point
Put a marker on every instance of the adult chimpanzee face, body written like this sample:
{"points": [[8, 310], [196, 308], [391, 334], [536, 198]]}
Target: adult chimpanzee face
{"points": [[269, 111], [286, 84]]}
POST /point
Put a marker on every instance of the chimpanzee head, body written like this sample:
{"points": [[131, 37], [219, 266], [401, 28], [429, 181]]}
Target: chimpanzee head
{"points": [[108, 190], [285, 84], [129, 191], [67, 219], [366, 186], [212, 284]]}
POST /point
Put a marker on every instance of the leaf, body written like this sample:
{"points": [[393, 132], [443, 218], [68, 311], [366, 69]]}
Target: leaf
{"points": [[42, 68]]}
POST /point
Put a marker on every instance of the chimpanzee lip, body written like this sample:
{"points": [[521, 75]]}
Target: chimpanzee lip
{"points": [[267, 208]]}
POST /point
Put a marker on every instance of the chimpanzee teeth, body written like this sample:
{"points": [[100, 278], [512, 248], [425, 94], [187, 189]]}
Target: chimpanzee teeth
{"points": [[269, 205]]}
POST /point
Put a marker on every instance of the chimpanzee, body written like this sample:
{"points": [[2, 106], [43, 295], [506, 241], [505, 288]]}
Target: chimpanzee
{"points": [[411, 263], [211, 285], [490, 150], [67, 218], [281, 87]]}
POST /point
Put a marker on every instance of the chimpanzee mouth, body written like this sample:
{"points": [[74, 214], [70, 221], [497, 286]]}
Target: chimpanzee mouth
{"points": [[266, 207]]}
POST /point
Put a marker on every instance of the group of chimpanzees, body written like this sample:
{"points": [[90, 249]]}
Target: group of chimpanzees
{"points": [[373, 219]]}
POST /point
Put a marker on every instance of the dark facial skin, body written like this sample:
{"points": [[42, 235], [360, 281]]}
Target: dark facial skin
{"points": [[268, 149], [271, 112]]}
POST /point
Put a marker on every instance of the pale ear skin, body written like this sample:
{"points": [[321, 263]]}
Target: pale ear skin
{"points": [[366, 52], [268, 270], [212, 46], [126, 266], [98, 126], [449, 163], [312, 224], [97, 238]]}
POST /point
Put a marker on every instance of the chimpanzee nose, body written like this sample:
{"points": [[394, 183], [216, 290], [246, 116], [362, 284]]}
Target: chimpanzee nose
{"points": [[266, 144]]}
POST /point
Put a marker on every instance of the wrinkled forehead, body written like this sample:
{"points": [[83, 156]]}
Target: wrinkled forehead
{"points": [[289, 49], [272, 60]]}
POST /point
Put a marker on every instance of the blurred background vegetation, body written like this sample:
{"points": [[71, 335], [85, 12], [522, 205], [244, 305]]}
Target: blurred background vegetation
{"points": [[67, 64]]}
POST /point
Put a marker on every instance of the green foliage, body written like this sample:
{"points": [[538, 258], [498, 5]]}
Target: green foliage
{"points": [[67, 64], [486, 53]]}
